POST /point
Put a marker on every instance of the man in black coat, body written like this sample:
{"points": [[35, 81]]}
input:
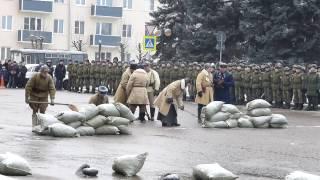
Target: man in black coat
{"points": [[223, 81], [51, 68], [21, 78], [59, 74]]}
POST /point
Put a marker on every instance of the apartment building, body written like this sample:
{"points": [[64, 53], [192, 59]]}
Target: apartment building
{"points": [[59, 23]]}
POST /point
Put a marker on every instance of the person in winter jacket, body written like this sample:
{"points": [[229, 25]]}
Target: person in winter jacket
{"points": [[59, 74]]}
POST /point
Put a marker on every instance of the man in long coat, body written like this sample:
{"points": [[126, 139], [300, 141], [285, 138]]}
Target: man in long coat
{"points": [[38, 88], [121, 95], [204, 84], [223, 82], [137, 92], [168, 102]]}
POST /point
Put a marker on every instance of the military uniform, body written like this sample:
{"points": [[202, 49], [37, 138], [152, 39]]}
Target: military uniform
{"points": [[237, 77], [247, 81], [80, 77], [275, 85], [256, 84], [86, 76], [71, 77], [313, 87], [286, 87], [297, 85], [266, 85], [92, 73], [98, 99]]}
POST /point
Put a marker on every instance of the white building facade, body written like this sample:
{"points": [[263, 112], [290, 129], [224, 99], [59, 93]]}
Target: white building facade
{"points": [[59, 23]]}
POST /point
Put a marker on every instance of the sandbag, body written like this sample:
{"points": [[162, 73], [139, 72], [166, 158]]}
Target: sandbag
{"points": [[2, 177], [44, 121], [14, 165], [279, 119], [212, 172], [230, 108], [89, 111], [235, 116], [258, 103], [219, 124], [75, 124], [260, 112], [212, 108], [108, 110], [244, 122], [232, 123], [70, 116], [107, 130], [125, 112], [97, 121], [220, 116], [129, 165], [170, 177], [124, 130], [117, 121], [261, 122], [299, 175], [86, 131], [62, 130]]}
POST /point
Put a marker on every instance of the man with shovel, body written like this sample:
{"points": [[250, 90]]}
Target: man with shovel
{"points": [[37, 90]]}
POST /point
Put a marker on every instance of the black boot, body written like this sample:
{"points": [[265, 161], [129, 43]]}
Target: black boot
{"points": [[300, 107], [152, 110], [141, 116], [199, 112]]}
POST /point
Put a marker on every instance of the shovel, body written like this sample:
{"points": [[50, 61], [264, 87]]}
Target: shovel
{"points": [[70, 106]]}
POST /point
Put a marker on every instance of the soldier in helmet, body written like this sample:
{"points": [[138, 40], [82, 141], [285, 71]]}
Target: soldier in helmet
{"points": [[86, 75], [247, 80], [275, 86], [80, 77], [237, 85], [286, 87], [97, 76], [92, 77], [266, 83], [256, 83], [71, 76], [100, 97], [74, 71], [313, 88], [297, 85]]}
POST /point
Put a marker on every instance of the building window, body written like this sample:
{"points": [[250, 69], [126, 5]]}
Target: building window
{"points": [[127, 4], [104, 29], [80, 2], [5, 53], [149, 5], [104, 3], [59, 1], [7, 22], [79, 27], [32, 24], [58, 26], [104, 56], [126, 30]]}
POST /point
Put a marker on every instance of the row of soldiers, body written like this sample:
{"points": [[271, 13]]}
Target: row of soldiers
{"points": [[277, 84]]}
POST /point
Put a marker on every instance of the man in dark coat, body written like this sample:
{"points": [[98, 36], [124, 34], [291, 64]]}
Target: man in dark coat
{"points": [[22, 75], [223, 80], [60, 73], [51, 68], [5, 75], [13, 72]]}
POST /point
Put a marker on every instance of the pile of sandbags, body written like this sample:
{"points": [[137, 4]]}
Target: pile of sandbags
{"points": [[14, 165], [220, 115], [259, 115], [105, 119]]}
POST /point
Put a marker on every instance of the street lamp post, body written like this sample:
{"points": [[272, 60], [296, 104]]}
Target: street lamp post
{"points": [[99, 50]]}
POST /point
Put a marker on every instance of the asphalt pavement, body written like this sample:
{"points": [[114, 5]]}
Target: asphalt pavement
{"points": [[252, 154]]}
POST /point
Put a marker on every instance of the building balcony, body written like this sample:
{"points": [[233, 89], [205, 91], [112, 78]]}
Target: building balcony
{"points": [[105, 40], [27, 36], [106, 11], [43, 6]]}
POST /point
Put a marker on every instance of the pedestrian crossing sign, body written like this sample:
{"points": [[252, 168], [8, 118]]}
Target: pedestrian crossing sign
{"points": [[149, 43]]}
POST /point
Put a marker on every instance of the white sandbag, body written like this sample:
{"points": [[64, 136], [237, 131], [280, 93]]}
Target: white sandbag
{"points": [[260, 112], [299, 175], [279, 119], [129, 165], [261, 122], [97, 121], [258, 103], [220, 116], [107, 130], [14, 165], [86, 131], [244, 122], [212, 172], [117, 121], [89, 111], [124, 130], [75, 124], [232, 123], [70, 116], [108, 110], [125, 112], [235, 116], [44, 121], [220, 124], [62, 130], [212, 108], [230, 108]]}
